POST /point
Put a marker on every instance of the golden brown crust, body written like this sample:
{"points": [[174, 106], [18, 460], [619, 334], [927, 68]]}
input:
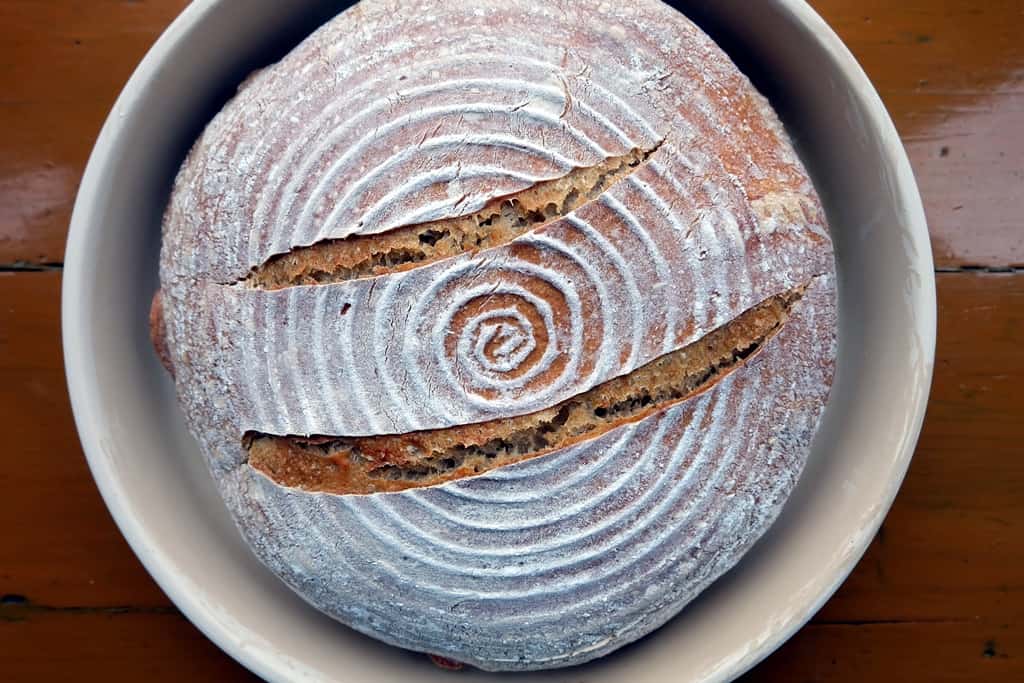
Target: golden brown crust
{"points": [[158, 333], [446, 664]]}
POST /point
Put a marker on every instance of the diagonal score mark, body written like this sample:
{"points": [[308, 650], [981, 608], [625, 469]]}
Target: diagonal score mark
{"points": [[373, 464], [499, 222]]}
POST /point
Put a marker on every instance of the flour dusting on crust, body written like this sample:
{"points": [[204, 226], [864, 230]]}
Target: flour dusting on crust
{"points": [[391, 116]]}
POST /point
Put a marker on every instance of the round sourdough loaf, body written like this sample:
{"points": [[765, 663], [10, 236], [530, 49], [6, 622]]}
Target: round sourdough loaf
{"points": [[504, 326]]}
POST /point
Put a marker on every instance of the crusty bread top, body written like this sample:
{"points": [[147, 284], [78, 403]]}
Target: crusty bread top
{"points": [[437, 215]]}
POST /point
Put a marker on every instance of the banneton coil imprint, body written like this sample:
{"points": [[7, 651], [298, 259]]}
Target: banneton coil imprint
{"points": [[505, 326]]}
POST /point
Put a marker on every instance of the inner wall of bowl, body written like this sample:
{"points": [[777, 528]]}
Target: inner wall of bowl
{"points": [[157, 486]]}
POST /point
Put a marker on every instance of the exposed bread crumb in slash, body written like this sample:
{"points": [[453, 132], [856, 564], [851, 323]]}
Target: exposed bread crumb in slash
{"points": [[499, 222], [361, 465]]}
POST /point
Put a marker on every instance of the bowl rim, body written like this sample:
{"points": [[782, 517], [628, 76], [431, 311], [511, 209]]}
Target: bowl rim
{"points": [[158, 563]]}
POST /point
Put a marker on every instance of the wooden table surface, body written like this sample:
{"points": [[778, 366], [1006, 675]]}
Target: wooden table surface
{"points": [[939, 595]]}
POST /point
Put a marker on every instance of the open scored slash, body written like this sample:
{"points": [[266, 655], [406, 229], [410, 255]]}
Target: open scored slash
{"points": [[499, 222], [364, 465]]}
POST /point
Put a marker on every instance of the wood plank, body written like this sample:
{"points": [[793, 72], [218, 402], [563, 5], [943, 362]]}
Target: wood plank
{"points": [[60, 545], [951, 73], [87, 645], [62, 66], [936, 652]]}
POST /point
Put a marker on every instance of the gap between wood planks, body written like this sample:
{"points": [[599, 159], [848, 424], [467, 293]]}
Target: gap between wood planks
{"points": [[996, 270], [15, 608], [22, 267]]}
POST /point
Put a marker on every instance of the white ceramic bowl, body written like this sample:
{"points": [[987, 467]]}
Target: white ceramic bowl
{"points": [[159, 492]]}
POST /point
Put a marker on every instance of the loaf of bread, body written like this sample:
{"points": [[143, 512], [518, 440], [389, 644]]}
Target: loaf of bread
{"points": [[505, 326]]}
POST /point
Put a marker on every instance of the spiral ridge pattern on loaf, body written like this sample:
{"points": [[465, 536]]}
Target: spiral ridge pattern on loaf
{"points": [[384, 120], [495, 339]]}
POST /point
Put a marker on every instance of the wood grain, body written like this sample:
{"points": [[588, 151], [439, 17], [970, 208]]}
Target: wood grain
{"points": [[953, 545], [61, 548], [109, 645], [62, 66], [940, 594], [952, 75], [936, 652]]}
